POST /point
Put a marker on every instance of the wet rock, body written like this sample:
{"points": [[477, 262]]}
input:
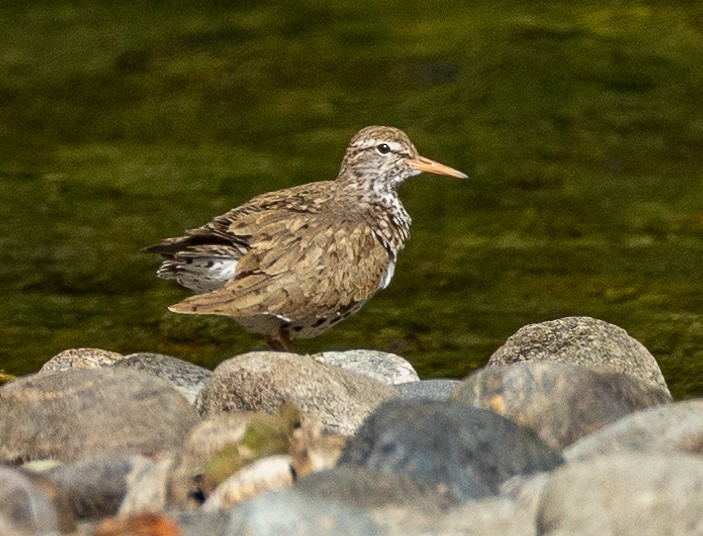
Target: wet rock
{"points": [[263, 381], [676, 427], [79, 413], [585, 341], [29, 504], [627, 495], [388, 368], [95, 487], [84, 358], [560, 402], [438, 389], [187, 378], [459, 448], [297, 514]]}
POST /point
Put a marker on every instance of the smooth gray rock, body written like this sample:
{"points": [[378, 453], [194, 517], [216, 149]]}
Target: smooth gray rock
{"points": [[624, 495], [263, 381], [585, 341], [560, 402], [88, 412], [465, 450], [676, 427], [388, 368], [438, 389], [294, 513], [30, 505], [187, 378]]}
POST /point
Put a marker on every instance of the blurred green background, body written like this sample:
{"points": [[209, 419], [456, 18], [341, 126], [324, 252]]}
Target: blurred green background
{"points": [[580, 124]]}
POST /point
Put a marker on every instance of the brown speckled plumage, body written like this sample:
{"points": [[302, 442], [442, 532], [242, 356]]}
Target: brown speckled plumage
{"points": [[292, 263]]}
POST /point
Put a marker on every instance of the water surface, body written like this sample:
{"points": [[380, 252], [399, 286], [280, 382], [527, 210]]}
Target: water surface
{"points": [[579, 123]]}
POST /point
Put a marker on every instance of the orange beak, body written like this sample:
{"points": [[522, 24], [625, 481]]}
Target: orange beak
{"points": [[430, 166]]}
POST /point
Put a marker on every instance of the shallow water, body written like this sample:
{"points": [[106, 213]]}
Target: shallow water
{"points": [[579, 123]]}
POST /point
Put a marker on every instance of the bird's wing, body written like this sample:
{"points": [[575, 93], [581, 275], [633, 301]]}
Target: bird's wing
{"points": [[224, 230], [299, 265]]}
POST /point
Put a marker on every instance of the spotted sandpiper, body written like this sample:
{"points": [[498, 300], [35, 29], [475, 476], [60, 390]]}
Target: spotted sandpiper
{"points": [[293, 263]]}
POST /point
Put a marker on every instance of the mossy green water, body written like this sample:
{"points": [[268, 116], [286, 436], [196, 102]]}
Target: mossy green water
{"points": [[580, 125]]}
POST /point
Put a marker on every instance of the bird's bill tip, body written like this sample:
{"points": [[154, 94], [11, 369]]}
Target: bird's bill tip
{"points": [[430, 166]]}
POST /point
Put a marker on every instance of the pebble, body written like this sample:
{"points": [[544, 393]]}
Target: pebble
{"points": [[624, 495], [95, 487], [79, 413], [461, 449], [436, 389], [86, 358], [585, 341], [30, 505], [388, 368], [670, 428], [559, 402], [187, 378], [263, 381]]}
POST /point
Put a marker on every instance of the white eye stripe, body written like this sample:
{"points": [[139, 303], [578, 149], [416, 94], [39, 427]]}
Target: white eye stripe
{"points": [[373, 143]]}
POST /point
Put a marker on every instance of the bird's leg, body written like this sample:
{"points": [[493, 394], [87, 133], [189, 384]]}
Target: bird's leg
{"points": [[282, 342], [284, 337]]}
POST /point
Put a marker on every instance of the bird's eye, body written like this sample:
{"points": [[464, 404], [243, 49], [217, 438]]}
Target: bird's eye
{"points": [[383, 148]]}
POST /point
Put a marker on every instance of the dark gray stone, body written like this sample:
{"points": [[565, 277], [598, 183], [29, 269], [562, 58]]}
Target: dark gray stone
{"points": [[465, 450], [88, 412], [371, 489], [438, 389], [95, 487], [560, 402], [585, 341]]}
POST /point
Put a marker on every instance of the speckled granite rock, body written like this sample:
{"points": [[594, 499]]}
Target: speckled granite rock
{"points": [[77, 413], [585, 341], [388, 368], [187, 378], [466, 450], [262, 381], [86, 358], [437, 389], [627, 495], [560, 402]]}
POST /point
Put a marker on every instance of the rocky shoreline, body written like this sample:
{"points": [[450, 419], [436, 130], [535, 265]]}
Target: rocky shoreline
{"points": [[568, 429]]}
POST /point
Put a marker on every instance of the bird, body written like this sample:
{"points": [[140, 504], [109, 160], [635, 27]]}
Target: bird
{"points": [[292, 263]]}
